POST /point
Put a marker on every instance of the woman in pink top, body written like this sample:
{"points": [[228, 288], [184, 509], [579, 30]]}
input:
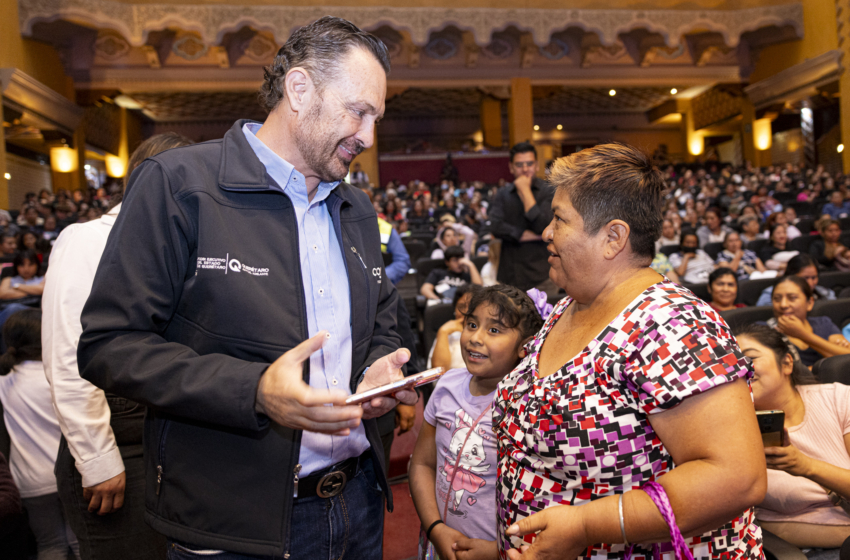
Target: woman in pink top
{"points": [[811, 474]]}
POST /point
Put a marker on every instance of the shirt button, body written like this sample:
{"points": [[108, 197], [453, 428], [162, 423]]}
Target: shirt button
{"points": [[334, 381], [321, 291], [316, 248]]}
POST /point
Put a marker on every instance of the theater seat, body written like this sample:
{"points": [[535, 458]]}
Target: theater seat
{"points": [[833, 370], [713, 249], [736, 318], [835, 281], [699, 290], [435, 317], [837, 309], [749, 291]]}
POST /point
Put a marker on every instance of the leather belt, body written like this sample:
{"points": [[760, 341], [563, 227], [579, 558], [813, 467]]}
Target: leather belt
{"points": [[329, 481]]}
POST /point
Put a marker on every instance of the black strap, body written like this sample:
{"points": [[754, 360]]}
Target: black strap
{"points": [[431, 528]]}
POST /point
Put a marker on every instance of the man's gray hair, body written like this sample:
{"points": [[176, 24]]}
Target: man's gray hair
{"points": [[318, 48]]}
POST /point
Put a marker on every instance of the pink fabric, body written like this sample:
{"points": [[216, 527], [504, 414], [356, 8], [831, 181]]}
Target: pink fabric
{"points": [[821, 436], [464, 479]]}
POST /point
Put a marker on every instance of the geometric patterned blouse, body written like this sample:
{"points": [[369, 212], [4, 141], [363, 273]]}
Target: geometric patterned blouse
{"points": [[583, 432]]}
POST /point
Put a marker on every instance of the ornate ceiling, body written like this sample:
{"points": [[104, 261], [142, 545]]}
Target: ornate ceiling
{"points": [[197, 61]]}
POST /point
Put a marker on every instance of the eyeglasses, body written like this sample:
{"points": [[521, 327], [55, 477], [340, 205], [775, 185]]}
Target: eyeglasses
{"points": [[522, 164]]}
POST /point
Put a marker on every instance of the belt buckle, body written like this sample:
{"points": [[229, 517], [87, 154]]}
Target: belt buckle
{"points": [[331, 484]]}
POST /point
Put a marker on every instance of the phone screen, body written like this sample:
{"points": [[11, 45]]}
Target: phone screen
{"points": [[772, 427]]}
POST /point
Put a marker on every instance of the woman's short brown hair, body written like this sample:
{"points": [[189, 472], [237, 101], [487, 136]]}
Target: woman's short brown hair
{"points": [[614, 182]]}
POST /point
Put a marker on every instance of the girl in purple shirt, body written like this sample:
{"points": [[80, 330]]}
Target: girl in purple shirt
{"points": [[453, 470]]}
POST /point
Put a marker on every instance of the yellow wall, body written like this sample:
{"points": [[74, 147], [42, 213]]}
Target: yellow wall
{"points": [[819, 36], [39, 60]]}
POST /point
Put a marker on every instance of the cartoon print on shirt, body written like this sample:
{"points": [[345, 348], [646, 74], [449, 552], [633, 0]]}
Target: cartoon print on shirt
{"points": [[465, 478]]}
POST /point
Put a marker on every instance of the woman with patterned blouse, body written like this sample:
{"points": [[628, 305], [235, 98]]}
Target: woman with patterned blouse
{"points": [[632, 379]]}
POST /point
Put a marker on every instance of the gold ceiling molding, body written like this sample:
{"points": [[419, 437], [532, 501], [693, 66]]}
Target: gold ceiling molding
{"points": [[211, 22], [798, 82]]}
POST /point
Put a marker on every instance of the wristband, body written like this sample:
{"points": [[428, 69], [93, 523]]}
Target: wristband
{"points": [[431, 528]]}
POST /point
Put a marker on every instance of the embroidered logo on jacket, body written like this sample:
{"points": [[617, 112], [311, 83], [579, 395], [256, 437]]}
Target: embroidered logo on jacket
{"points": [[229, 265]]}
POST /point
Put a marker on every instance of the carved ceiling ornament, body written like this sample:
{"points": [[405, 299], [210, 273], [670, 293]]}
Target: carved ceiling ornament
{"points": [[260, 48], [111, 46], [189, 47], [212, 21]]}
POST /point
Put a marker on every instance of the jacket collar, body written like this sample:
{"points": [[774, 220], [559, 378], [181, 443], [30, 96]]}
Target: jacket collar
{"points": [[242, 170]]}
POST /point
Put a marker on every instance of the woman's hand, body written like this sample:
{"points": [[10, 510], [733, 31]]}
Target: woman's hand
{"points": [[476, 549], [791, 326], [444, 537], [788, 459], [560, 534]]}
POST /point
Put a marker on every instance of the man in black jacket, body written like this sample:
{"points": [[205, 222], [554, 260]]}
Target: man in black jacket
{"points": [[241, 297], [520, 212]]}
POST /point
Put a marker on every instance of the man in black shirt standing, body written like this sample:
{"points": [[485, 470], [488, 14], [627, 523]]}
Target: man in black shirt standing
{"points": [[519, 214]]}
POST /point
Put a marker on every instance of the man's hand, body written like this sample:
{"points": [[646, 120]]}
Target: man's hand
{"points": [[560, 534], [529, 235], [523, 190], [107, 496], [405, 417], [476, 549], [386, 370], [283, 396], [523, 184]]}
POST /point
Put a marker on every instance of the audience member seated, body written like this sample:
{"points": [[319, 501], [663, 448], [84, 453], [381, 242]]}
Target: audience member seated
{"points": [[828, 250], [461, 235], [837, 207], [419, 219], [8, 249], [445, 352], [714, 230], [806, 268], [723, 287], [692, 264], [661, 265], [810, 474], [781, 218], [441, 283], [669, 235], [490, 270], [743, 261], [778, 243], [27, 281], [813, 337], [750, 229]]}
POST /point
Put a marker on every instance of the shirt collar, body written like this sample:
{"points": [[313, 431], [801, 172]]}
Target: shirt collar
{"points": [[287, 178]]}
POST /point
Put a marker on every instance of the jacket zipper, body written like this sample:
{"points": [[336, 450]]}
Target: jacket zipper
{"points": [[354, 250], [159, 469]]}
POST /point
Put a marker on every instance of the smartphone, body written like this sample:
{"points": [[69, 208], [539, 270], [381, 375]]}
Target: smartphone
{"points": [[772, 427], [427, 376]]}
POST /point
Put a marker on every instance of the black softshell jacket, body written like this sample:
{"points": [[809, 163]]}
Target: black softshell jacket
{"points": [[198, 291]]}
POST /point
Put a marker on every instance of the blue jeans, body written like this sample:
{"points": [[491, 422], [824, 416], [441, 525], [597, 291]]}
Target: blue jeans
{"points": [[349, 525]]}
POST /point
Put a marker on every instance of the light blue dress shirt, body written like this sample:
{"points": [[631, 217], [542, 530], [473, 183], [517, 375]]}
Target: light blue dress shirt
{"points": [[326, 292]]}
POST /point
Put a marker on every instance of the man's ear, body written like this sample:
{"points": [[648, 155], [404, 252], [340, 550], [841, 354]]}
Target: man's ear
{"points": [[297, 87]]}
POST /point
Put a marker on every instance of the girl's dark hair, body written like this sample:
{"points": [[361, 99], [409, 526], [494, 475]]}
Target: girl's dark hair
{"points": [[22, 336], [516, 310], [26, 255], [798, 263], [718, 273], [797, 281], [776, 343]]}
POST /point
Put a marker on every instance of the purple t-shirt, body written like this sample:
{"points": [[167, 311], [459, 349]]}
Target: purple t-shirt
{"points": [[452, 410]]}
